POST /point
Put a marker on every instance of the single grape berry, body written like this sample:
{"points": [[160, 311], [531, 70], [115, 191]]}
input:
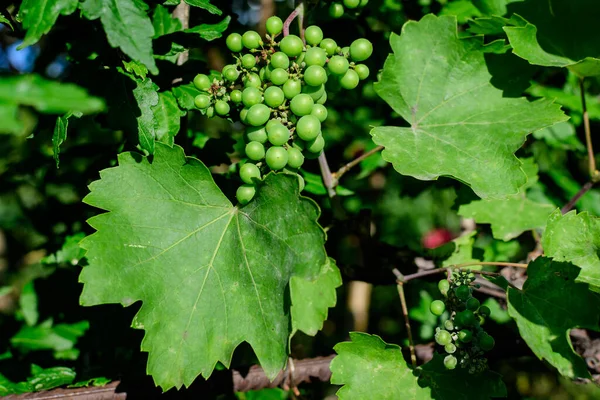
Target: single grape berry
{"points": [[362, 70], [230, 73], [210, 112], [291, 45], [322, 99], [279, 76], [465, 318], [350, 80], [202, 101], [248, 61], [465, 336], [255, 151], [338, 65], [280, 60], [276, 157], [315, 56], [486, 342], [351, 3], [316, 145], [278, 134], [243, 115], [450, 362], [274, 25], [245, 193], [308, 127], [336, 10], [222, 107], [256, 134], [274, 96], [484, 311], [234, 42], [236, 96], [329, 45], [450, 348], [463, 292], [313, 35], [295, 158], [292, 88], [302, 104], [202, 82], [360, 50], [251, 96], [252, 80], [315, 75], [249, 172], [473, 304], [437, 307], [251, 40], [443, 337], [449, 325], [444, 286], [314, 91], [319, 111], [258, 115]]}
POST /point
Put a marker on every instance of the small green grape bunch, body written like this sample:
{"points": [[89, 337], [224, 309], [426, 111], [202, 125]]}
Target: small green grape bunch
{"points": [[463, 339], [338, 8], [277, 88]]}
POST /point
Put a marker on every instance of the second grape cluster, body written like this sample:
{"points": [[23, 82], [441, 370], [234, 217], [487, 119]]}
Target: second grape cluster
{"points": [[278, 88]]}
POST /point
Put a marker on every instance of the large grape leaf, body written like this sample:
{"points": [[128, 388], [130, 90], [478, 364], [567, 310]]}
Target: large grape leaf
{"points": [[558, 33], [461, 125], [163, 22], [311, 298], [126, 25], [549, 306], [575, 238], [39, 16], [167, 115], [209, 275], [509, 217]]}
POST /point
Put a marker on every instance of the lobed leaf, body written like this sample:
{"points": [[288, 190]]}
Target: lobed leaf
{"points": [[39, 16]]}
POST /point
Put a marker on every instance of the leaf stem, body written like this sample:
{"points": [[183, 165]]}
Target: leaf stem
{"points": [[569, 206], [337, 175], [421, 274], [298, 12], [594, 173], [411, 345]]}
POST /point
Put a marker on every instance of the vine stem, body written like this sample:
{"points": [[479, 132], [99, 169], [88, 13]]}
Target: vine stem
{"points": [[182, 13], [569, 206], [421, 274], [337, 175], [594, 173], [298, 12], [411, 345]]}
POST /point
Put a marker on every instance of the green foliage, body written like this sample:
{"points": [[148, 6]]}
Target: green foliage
{"points": [[39, 16]]}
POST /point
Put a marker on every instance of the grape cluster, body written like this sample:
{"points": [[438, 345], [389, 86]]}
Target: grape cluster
{"points": [[338, 8], [462, 336], [278, 88]]}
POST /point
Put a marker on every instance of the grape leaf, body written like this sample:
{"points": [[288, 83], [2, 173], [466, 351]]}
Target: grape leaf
{"points": [[560, 136], [147, 98], [557, 33], [185, 95], [463, 10], [210, 31], [44, 336], [70, 253], [461, 126], [549, 306], [136, 68], [126, 25], [168, 118], [570, 101], [4, 20], [210, 275], [39, 16], [463, 251], [163, 22], [493, 7], [205, 4], [49, 378], [28, 304], [311, 299], [368, 365], [509, 217], [575, 238], [60, 132]]}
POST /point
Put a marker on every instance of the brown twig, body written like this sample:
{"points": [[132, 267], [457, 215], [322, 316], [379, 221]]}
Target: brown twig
{"points": [[569, 206], [421, 274], [326, 174], [411, 345], [337, 175], [594, 173]]}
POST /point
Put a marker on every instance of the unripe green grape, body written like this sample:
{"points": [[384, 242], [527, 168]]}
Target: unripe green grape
{"points": [[274, 25], [360, 50], [316, 145], [230, 72], [202, 101], [248, 61], [278, 134], [444, 286], [302, 104], [450, 362], [465, 336], [236, 96], [363, 3], [265, 73], [315, 75], [257, 134], [315, 56], [313, 35], [279, 76], [274, 96], [463, 292], [473, 304], [350, 80], [449, 325], [362, 70], [437, 307], [443, 337], [291, 45], [300, 182], [319, 111], [243, 115], [308, 128], [329, 45], [465, 318], [314, 91], [280, 60], [484, 311], [251, 40], [245, 193], [249, 172], [276, 157], [210, 112], [234, 42], [202, 82], [486, 342], [251, 96], [450, 348], [258, 115], [292, 88], [336, 10], [295, 158], [221, 107], [271, 123], [322, 99], [255, 151], [351, 3], [345, 51], [338, 65], [252, 80]]}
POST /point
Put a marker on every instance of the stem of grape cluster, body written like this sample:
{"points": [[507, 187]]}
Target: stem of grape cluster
{"points": [[337, 175], [569, 206], [594, 173], [298, 12], [411, 345], [421, 274]]}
